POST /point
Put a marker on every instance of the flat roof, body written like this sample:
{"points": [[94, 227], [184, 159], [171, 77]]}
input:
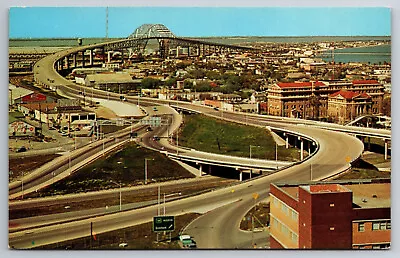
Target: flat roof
{"points": [[371, 195], [365, 195]]}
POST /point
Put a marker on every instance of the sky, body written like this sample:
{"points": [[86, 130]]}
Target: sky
{"points": [[70, 22]]}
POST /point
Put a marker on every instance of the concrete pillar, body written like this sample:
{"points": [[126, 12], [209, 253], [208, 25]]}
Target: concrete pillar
{"points": [[103, 53], [240, 175], [369, 143], [301, 149], [201, 170], [386, 150], [251, 173], [66, 60], [287, 141], [109, 56], [90, 57], [74, 60], [83, 58], [177, 51]]}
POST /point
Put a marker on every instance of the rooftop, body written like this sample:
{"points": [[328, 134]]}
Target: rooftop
{"points": [[349, 94], [371, 195], [109, 78], [365, 195], [299, 84]]}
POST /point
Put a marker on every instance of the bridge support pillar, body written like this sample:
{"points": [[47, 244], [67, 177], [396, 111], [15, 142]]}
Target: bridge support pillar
{"points": [[240, 175], [301, 149], [386, 150], [108, 56], [251, 173], [74, 60], [90, 57], [201, 170], [66, 60], [287, 142], [83, 59], [369, 143], [177, 51]]}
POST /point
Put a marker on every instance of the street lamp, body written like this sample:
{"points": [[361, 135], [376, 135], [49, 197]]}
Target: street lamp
{"points": [[276, 154], [120, 195], [22, 185], [169, 195], [251, 147], [145, 170]]}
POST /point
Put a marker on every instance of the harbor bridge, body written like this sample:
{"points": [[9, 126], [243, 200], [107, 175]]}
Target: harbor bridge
{"points": [[170, 46]]}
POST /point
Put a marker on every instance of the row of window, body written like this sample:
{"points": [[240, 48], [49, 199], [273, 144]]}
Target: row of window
{"points": [[284, 208], [376, 225], [284, 230]]}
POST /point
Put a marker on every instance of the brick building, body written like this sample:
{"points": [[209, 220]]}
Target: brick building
{"points": [[345, 106], [310, 99], [330, 216]]}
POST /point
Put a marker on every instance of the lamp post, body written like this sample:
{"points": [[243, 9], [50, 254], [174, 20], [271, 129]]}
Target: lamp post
{"points": [[145, 170], [251, 147], [169, 195], [22, 185], [120, 195], [276, 154]]}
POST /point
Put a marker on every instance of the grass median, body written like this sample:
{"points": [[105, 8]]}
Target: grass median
{"points": [[216, 136]]}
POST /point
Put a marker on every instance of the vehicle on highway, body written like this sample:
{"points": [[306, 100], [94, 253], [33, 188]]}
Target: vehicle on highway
{"points": [[123, 245], [156, 138], [187, 241], [22, 149], [64, 134], [149, 129], [155, 109], [216, 108]]}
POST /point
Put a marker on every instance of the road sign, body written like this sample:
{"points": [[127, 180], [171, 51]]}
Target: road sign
{"points": [[163, 223]]}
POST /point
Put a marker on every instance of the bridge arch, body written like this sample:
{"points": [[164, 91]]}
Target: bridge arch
{"points": [[152, 31]]}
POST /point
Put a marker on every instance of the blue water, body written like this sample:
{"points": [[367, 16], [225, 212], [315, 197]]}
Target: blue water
{"points": [[374, 55]]}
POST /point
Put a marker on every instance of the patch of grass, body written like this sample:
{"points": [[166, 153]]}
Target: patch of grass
{"points": [[363, 173], [212, 135], [261, 217], [125, 166], [20, 165]]}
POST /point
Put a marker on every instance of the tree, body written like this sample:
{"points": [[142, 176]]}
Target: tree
{"points": [[150, 83], [315, 103]]}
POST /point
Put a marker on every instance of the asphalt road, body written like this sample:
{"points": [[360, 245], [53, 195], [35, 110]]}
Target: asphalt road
{"points": [[335, 153]]}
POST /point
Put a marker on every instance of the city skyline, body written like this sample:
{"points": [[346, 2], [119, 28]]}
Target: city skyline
{"points": [[221, 21]]}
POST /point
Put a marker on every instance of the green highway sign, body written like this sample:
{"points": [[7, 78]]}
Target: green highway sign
{"points": [[163, 223]]}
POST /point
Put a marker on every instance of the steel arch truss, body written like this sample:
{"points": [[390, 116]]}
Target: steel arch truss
{"points": [[152, 31]]}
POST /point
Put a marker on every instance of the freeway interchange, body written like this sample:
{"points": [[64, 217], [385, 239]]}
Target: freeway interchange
{"points": [[336, 150]]}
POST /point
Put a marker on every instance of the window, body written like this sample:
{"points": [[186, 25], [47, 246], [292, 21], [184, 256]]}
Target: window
{"points": [[332, 228], [375, 225], [382, 226], [361, 227], [332, 205]]}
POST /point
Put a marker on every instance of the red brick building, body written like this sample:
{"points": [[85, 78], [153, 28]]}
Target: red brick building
{"points": [[344, 106], [330, 216], [310, 99]]}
